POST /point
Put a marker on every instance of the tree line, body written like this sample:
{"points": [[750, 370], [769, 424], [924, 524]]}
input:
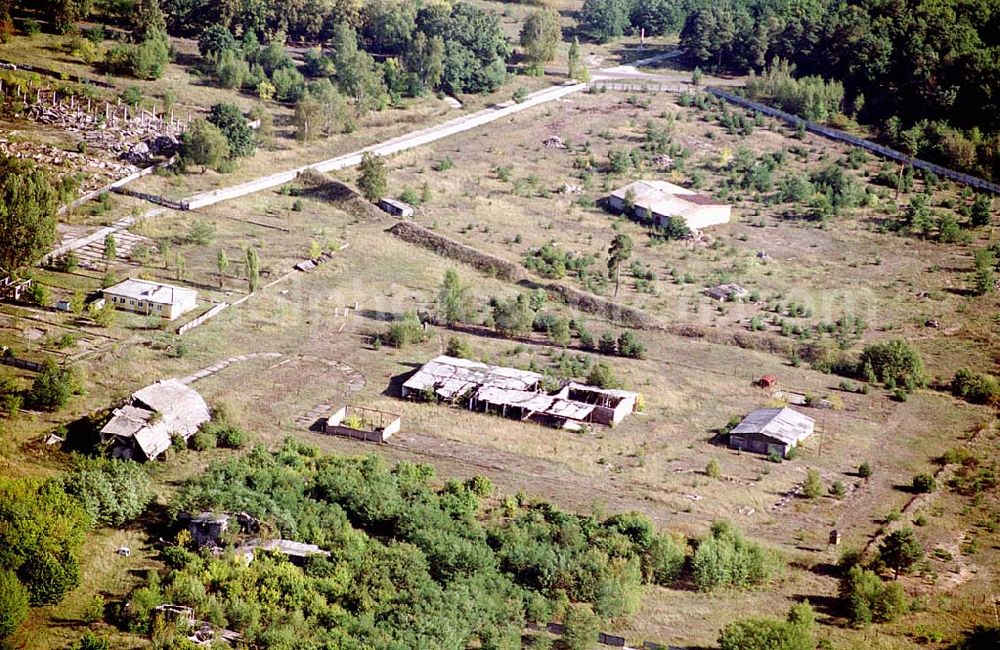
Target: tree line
{"points": [[922, 72]]}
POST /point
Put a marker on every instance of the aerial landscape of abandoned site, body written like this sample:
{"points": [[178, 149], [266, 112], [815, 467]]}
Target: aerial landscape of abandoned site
{"points": [[446, 324]]}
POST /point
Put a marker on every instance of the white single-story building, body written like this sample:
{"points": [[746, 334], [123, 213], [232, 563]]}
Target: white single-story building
{"points": [[657, 201], [396, 208], [143, 427], [152, 298], [771, 431]]}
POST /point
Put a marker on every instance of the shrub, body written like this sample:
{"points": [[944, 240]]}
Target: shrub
{"points": [[664, 559], [725, 559], [131, 95], [895, 362], [90, 641], [52, 387], [924, 483], [203, 440], [712, 469], [406, 331], [112, 492], [865, 470], [458, 348], [628, 346], [228, 436], [865, 598], [795, 633], [607, 345], [13, 604], [900, 550], [837, 490], [602, 376], [813, 487], [976, 387], [582, 627]]}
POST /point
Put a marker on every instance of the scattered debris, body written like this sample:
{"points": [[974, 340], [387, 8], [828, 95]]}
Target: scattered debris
{"points": [[663, 161], [763, 256], [554, 142], [124, 551], [569, 188], [933, 322], [725, 292], [698, 238]]}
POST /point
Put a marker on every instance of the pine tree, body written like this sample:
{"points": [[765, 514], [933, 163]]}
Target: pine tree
{"points": [[618, 253]]}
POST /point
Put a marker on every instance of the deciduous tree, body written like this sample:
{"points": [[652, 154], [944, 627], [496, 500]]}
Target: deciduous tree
{"points": [[373, 176], [27, 214], [204, 144], [540, 36]]}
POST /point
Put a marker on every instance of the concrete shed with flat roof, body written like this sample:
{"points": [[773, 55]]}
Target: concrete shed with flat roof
{"points": [[656, 202]]}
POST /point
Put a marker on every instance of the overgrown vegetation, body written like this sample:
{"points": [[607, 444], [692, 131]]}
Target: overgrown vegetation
{"points": [[456, 565]]}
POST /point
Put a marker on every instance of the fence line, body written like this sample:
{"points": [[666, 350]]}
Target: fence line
{"points": [[841, 136], [603, 638], [33, 366], [211, 313], [151, 198], [638, 86], [114, 186]]}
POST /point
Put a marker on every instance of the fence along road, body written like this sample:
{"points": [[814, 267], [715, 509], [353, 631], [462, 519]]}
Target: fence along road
{"points": [[426, 135], [841, 136], [402, 143]]}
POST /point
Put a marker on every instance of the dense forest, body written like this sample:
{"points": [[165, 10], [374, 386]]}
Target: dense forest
{"points": [[925, 73]]}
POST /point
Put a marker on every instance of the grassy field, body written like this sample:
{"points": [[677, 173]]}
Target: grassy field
{"points": [[500, 195]]}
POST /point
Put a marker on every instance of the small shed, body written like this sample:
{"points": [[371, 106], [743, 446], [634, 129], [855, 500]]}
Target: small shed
{"points": [[768, 381], [771, 431], [63, 305], [396, 208]]}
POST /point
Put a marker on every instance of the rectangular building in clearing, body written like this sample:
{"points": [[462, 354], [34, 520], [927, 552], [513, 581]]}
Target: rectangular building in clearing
{"points": [[396, 208], [152, 298], [771, 431], [656, 202]]}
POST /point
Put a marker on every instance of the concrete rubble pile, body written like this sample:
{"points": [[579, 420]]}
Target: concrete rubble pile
{"points": [[135, 136], [94, 172]]}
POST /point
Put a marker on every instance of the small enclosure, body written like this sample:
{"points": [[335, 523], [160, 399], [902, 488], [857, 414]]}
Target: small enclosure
{"points": [[360, 423]]}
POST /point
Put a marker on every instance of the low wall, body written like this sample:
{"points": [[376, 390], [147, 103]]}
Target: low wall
{"points": [[401, 143], [211, 313], [334, 425], [111, 187], [33, 366]]}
